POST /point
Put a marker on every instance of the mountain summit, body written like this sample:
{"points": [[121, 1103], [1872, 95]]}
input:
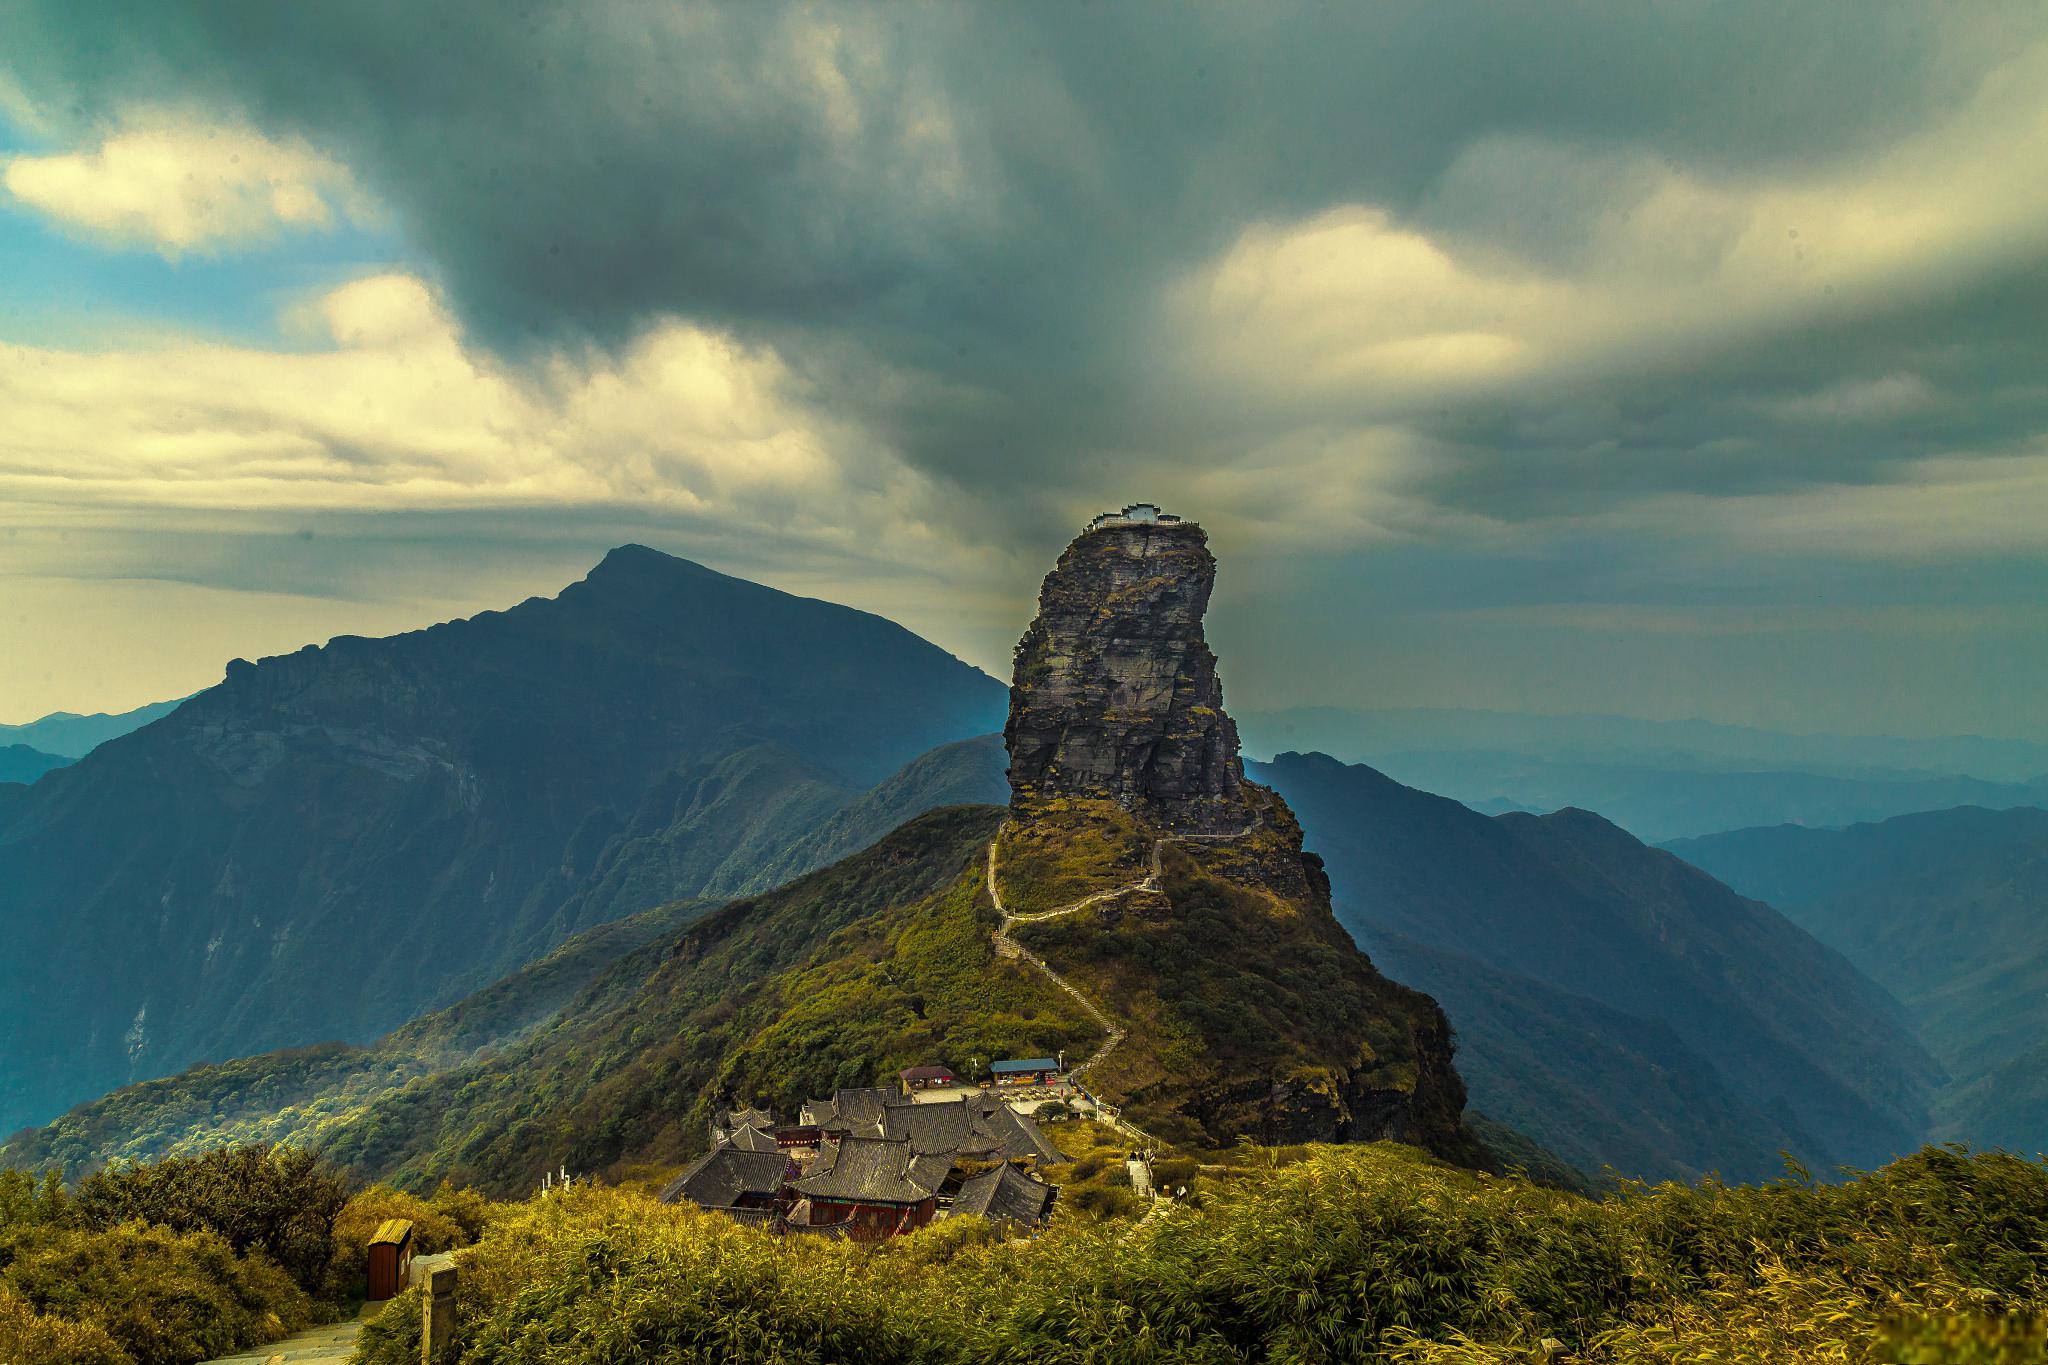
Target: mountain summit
{"points": [[1115, 694], [1139, 868], [330, 841]]}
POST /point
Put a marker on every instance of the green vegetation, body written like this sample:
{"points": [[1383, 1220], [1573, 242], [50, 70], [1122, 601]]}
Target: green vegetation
{"points": [[1238, 973], [897, 990], [137, 1295], [609, 1054], [190, 1258], [1323, 1254], [880, 961], [1067, 849], [1094, 1183], [163, 1265], [303, 1096], [277, 1201]]}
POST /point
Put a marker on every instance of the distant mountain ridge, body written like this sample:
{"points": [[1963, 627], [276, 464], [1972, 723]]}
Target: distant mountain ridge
{"points": [[1686, 797], [71, 735], [1367, 735], [1138, 908], [331, 841], [1945, 908], [20, 763], [1662, 780], [1567, 913]]}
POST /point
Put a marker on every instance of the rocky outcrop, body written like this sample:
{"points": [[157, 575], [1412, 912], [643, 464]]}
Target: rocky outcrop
{"points": [[1115, 693], [1244, 1008]]}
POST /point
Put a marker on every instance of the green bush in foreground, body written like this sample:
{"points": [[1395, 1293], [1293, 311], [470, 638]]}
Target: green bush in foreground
{"points": [[1348, 1254], [170, 1263], [281, 1201], [137, 1295]]}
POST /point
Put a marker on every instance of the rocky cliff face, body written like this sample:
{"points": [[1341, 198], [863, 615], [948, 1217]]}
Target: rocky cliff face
{"points": [[1115, 693], [1146, 870]]}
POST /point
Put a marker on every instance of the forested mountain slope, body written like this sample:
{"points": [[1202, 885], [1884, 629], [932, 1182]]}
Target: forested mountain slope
{"points": [[1945, 909], [330, 842], [1818, 1058]]}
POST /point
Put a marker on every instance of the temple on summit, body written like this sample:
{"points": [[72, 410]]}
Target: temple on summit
{"points": [[1135, 514]]}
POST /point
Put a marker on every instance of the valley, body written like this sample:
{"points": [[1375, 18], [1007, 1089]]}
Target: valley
{"points": [[1299, 957]]}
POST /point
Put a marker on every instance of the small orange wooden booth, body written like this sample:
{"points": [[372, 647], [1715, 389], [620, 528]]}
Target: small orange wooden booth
{"points": [[390, 1259]]}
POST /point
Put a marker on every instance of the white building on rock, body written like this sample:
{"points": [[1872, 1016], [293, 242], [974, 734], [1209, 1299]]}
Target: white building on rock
{"points": [[1136, 514]]}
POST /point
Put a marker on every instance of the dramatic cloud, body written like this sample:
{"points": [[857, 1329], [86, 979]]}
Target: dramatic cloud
{"points": [[1466, 313], [393, 410], [1670, 265], [174, 186]]}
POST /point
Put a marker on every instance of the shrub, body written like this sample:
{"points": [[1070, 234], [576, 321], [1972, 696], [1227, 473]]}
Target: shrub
{"points": [[279, 1200], [26, 1201], [162, 1297], [467, 1208], [607, 1275], [432, 1231], [1338, 1254], [28, 1336]]}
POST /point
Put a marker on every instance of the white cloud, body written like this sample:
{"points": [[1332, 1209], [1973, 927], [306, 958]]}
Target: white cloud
{"points": [[1856, 400], [397, 412], [1322, 489], [1349, 297], [1672, 264], [176, 185], [1944, 507]]}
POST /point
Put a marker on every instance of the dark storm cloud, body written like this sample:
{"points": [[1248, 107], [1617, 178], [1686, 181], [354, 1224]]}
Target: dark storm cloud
{"points": [[1428, 308], [986, 200]]}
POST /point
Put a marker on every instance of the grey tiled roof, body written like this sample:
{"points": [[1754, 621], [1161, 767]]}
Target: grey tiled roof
{"points": [[874, 1170], [721, 1176], [976, 1126], [752, 1139], [856, 1111], [931, 1128], [748, 1117], [1021, 1137], [1005, 1195]]}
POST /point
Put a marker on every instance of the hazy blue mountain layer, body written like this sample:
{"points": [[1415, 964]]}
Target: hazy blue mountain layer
{"points": [[1944, 908], [1675, 799], [20, 763], [70, 735], [330, 842], [1370, 735], [1577, 923]]}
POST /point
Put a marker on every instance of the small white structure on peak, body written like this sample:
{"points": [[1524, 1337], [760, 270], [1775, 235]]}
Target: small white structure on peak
{"points": [[1136, 514]]}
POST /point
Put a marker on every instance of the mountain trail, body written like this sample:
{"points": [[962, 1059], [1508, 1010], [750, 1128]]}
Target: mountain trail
{"points": [[1009, 947]]}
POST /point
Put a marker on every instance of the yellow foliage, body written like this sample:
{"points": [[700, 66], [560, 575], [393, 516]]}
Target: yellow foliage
{"points": [[30, 1338]]}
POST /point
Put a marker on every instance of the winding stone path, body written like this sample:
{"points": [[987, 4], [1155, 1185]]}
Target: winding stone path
{"points": [[1008, 946]]}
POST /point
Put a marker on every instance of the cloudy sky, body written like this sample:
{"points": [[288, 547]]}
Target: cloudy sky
{"points": [[1669, 361]]}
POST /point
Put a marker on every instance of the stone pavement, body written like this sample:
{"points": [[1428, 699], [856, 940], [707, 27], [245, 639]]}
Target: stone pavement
{"points": [[328, 1345]]}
